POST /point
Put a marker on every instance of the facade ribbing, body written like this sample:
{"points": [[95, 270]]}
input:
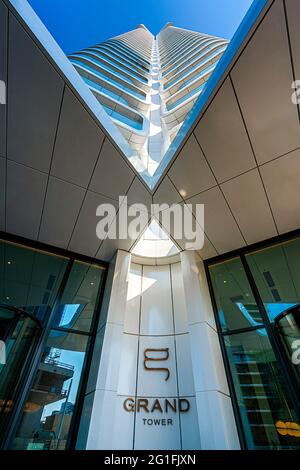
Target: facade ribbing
{"points": [[147, 84]]}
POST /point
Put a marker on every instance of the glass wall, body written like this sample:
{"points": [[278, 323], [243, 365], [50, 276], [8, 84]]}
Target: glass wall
{"points": [[258, 314], [29, 279], [18, 335], [48, 316], [49, 408]]}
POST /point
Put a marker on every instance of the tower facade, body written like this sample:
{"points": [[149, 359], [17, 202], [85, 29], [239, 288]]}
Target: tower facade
{"points": [[147, 84]]}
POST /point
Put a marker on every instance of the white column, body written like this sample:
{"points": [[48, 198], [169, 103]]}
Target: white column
{"points": [[216, 419], [107, 430]]}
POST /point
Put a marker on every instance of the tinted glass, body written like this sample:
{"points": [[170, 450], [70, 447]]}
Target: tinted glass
{"points": [[287, 328], [18, 334], [80, 296], [48, 412], [276, 272], [235, 302], [29, 279], [268, 417]]}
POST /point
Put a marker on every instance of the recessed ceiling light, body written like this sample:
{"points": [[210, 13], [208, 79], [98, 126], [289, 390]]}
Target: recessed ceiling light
{"points": [[183, 192]]}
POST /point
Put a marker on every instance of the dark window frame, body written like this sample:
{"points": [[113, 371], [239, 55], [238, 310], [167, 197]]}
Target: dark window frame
{"points": [[37, 352], [267, 324]]}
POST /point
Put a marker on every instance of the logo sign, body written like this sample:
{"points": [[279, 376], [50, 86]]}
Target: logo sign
{"points": [[153, 357], [150, 355], [288, 428]]}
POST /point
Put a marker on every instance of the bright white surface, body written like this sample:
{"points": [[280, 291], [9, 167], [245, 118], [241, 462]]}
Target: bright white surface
{"points": [[154, 243], [154, 437], [132, 311], [186, 383], [127, 369], [157, 316], [217, 428], [179, 301]]}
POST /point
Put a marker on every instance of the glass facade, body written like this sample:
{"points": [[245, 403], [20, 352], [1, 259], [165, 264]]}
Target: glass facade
{"points": [[49, 308], [19, 333], [129, 73], [257, 308]]}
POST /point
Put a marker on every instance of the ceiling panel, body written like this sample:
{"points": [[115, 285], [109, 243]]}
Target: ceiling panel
{"points": [[78, 143], [62, 205], [24, 199], [109, 248], [282, 181], [223, 138], [2, 193], [138, 194], [3, 72], [190, 172], [84, 239], [248, 202], [293, 15], [263, 78], [34, 97], [174, 225], [112, 175], [166, 193], [219, 224], [208, 250]]}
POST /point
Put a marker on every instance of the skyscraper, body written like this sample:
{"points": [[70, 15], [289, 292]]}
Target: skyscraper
{"points": [[135, 343], [148, 84]]}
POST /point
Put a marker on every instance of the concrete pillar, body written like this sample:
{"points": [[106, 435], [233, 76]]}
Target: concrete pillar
{"points": [[103, 380]]}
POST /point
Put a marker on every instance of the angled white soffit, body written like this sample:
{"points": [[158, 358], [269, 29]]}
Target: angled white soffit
{"points": [[155, 243], [234, 158]]}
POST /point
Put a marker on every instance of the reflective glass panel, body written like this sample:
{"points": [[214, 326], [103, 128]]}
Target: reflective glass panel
{"points": [[276, 272], [269, 420], [237, 308], [29, 279], [18, 334], [48, 412], [287, 328], [79, 298]]}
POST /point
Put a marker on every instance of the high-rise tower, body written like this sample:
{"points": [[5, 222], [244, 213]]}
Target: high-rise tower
{"points": [[147, 84]]}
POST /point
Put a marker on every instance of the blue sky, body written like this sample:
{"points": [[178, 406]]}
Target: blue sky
{"points": [[76, 24]]}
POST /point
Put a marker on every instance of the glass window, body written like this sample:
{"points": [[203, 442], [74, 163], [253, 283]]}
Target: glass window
{"points": [[276, 272], [49, 409], [287, 329], [237, 308], [268, 417], [79, 298], [18, 333], [29, 279], [32, 300]]}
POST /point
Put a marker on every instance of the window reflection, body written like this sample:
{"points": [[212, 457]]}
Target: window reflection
{"points": [[30, 279], [79, 298], [276, 273], [18, 332], [49, 409], [237, 308], [34, 297], [262, 397], [287, 328]]}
